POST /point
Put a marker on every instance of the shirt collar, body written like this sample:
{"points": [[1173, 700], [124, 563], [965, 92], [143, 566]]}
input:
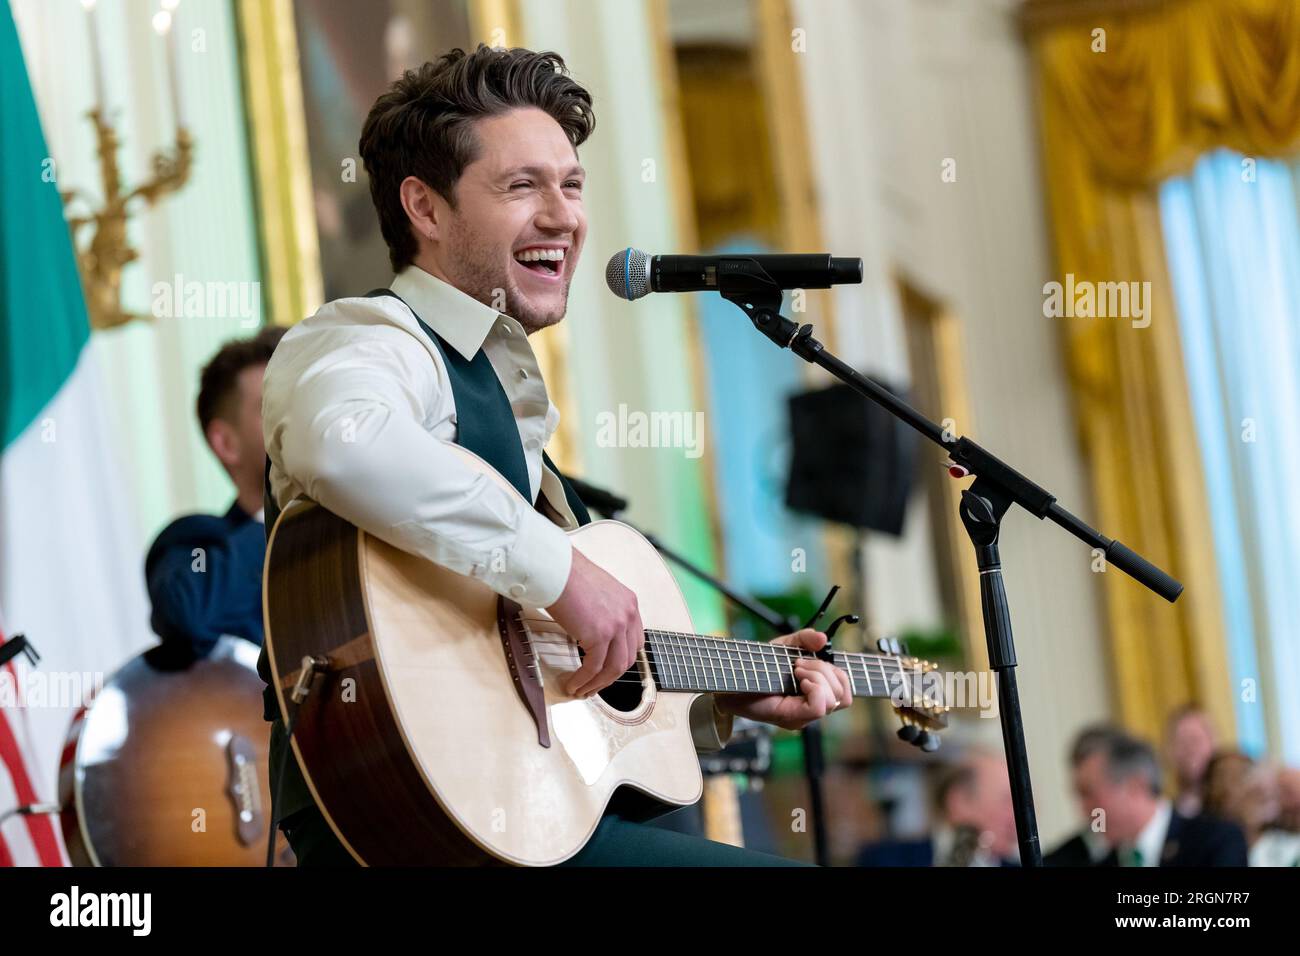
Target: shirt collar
{"points": [[462, 321], [1151, 840]]}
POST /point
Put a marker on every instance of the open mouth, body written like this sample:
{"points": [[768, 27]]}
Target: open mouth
{"points": [[548, 263]]}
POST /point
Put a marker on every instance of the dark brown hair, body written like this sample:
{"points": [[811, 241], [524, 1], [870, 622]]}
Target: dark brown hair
{"points": [[220, 377], [423, 126]]}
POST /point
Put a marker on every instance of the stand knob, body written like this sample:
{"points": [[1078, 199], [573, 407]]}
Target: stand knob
{"points": [[927, 741], [908, 733]]}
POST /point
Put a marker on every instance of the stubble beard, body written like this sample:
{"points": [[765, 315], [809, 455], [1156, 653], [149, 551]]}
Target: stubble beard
{"points": [[479, 274]]}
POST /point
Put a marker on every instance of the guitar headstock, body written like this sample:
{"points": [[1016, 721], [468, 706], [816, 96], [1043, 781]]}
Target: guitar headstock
{"points": [[917, 692]]}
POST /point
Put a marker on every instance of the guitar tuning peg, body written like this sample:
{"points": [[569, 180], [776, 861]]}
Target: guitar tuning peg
{"points": [[927, 741], [908, 733]]}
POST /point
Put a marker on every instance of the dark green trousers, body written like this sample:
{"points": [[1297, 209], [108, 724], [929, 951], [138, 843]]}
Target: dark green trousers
{"points": [[616, 842]]}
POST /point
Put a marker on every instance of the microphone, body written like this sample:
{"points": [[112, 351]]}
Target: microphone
{"points": [[632, 273]]}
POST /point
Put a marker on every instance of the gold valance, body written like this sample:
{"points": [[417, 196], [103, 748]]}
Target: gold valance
{"points": [[1175, 80]]}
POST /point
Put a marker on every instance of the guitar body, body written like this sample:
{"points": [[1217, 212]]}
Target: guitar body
{"points": [[416, 740], [154, 747]]}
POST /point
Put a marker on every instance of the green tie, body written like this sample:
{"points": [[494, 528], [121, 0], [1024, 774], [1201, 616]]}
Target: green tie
{"points": [[1132, 857]]}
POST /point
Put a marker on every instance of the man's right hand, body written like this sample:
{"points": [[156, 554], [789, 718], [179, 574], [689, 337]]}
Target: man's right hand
{"points": [[601, 616]]}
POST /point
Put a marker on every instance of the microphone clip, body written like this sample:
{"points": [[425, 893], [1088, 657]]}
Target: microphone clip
{"points": [[748, 286]]}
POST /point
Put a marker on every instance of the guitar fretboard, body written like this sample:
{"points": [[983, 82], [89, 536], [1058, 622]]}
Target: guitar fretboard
{"points": [[704, 664]]}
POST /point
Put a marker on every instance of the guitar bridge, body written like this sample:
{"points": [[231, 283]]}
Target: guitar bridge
{"points": [[520, 658]]}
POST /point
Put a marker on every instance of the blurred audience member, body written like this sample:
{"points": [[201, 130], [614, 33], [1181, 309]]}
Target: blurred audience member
{"points": [[1117, 779], [204, 572], [1088, 847], [1288, 780], [1189, 744], [975, 821], [1248, 794]]}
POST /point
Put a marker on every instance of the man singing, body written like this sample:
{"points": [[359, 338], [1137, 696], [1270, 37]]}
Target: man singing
{"points": [[475, 177]]}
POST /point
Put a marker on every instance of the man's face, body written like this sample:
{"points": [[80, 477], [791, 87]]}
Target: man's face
{"points": [[514, 238], [1191, 744], [236, 436], [1127, 804]]}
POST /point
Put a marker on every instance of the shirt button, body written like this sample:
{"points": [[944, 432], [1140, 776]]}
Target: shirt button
{"points": [[532, 444], [523, 374], [518, 590]]}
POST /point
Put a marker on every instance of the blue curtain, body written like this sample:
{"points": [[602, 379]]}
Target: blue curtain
{"points": [[1232, 235], [750, 381]]}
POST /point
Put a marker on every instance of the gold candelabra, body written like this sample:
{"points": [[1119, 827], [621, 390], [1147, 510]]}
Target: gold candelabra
{"points": [[102, 259]]}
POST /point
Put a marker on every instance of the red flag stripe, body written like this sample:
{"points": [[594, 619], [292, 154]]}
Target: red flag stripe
{"points": [[40, 826]]}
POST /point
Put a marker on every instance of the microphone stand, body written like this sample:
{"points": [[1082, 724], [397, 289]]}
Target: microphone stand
{"points": [[611, 506], [996, 488]]}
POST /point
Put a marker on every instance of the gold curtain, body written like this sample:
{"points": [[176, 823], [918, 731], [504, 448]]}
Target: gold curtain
{"points": [[728, 145], [1174, 80]]}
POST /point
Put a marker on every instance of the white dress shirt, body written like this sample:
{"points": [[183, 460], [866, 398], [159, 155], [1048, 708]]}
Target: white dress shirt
{"points": [[1151, 841], [358, 415]]}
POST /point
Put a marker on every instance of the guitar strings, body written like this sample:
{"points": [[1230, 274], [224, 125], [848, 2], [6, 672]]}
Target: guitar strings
{"points": [[752, 647], [689, 666], [696, 658]]}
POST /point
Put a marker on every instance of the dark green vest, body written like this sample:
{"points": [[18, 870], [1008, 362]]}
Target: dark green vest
{"points": [[485, 425]]}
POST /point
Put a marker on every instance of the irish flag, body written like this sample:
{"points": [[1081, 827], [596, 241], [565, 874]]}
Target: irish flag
{"points": [[70, 567]]}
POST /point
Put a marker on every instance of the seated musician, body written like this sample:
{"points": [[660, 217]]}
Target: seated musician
{"points": [[475, 177], [204, 572]]}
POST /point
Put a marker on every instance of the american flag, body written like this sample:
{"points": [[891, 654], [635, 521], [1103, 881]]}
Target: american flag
{"points": [[25, 839]]}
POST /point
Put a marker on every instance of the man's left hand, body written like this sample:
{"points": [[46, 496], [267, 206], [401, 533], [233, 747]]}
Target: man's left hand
{"points": [[823, 688]]}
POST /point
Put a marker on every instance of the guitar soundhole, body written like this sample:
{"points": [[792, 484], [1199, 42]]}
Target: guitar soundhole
{"points": [[625, 693]]}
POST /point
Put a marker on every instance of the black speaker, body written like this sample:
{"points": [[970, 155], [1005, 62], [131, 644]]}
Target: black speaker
{"points": [[852, 462]]}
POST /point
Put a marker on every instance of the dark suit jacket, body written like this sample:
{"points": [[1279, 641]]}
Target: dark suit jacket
{"points": [[1191, 841], [197, 599], [897, 853]]}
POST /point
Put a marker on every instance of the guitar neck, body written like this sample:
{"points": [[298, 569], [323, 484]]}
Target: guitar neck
{"points": [[698, 663]]}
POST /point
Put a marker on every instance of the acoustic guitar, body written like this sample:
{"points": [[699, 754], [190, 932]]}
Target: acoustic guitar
{"points": [[167, 767], [427, 712]]}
